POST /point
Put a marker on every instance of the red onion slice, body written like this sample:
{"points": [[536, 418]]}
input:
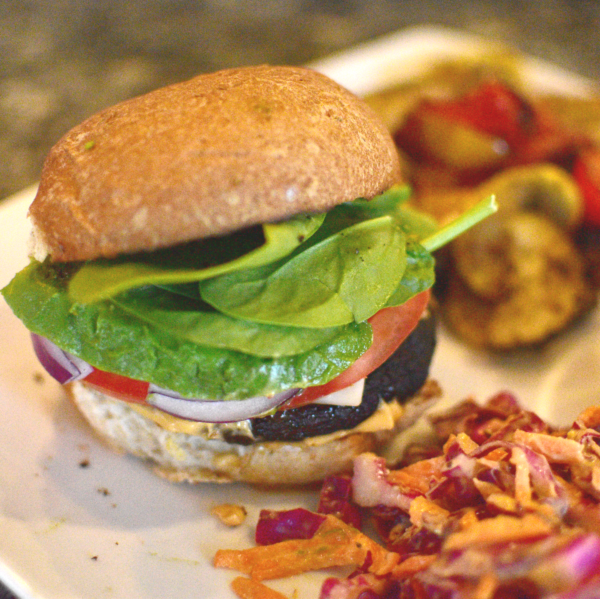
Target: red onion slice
{"points": [[66, 368], [59, 364], [215, 411]]}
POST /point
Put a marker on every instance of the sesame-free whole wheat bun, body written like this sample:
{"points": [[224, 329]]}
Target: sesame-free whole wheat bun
{"points": [[208, 156]]}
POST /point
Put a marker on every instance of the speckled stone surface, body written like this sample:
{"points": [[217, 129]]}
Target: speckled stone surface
{"points": [[62, 60]]}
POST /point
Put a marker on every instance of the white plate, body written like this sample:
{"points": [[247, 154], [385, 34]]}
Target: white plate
{"points": [[113, 529]]}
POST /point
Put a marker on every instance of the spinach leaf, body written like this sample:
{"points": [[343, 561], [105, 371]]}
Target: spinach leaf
{"points": [[346, 277], [418, 276], [112, 339], [390, 203], [184, 320], [386, 203], [415, 224], [351, 213], [102, 279]]}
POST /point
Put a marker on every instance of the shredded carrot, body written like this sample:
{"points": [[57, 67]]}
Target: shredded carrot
{"points": [[412, 565], [334, 544], [486, 587], [590, 417], [471, 545], [466, 443], [501, 529], [468, 518], [418, 476], [246, 588], [425, 513], [497, 454]]}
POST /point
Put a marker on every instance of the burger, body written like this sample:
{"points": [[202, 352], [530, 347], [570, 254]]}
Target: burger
{"points": [[227, 279]]}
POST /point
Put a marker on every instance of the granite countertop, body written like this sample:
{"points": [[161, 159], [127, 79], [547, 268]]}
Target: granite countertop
{"points": [[61, 61]]}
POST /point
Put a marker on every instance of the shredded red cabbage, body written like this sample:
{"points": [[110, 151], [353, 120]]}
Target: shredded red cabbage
{"points": [[336, 499], [276, 526], [512, 512]]}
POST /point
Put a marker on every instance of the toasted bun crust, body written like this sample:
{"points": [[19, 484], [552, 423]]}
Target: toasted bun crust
{"points": [[206, 157], [181, 457]]}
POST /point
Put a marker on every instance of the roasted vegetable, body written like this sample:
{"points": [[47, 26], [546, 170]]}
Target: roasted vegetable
{"points": [[519, 278]]}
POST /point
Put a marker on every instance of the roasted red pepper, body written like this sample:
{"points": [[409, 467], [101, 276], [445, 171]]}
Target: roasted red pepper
{"points": [[463, 141], [586, 171], [490, 128]]}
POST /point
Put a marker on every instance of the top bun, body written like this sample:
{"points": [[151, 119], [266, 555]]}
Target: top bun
{"points": [[206, 157]]}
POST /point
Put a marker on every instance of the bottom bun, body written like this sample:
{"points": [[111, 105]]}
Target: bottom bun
{"points": [[182, 457]]}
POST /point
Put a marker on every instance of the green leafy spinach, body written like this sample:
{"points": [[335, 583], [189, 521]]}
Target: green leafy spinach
{"points": [[114, 339], [101, 279], [252, 313]]}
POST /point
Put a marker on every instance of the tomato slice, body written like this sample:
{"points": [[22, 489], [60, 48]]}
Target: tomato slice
{"points": [[118, 386], [586, 171], [391, 326]]}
